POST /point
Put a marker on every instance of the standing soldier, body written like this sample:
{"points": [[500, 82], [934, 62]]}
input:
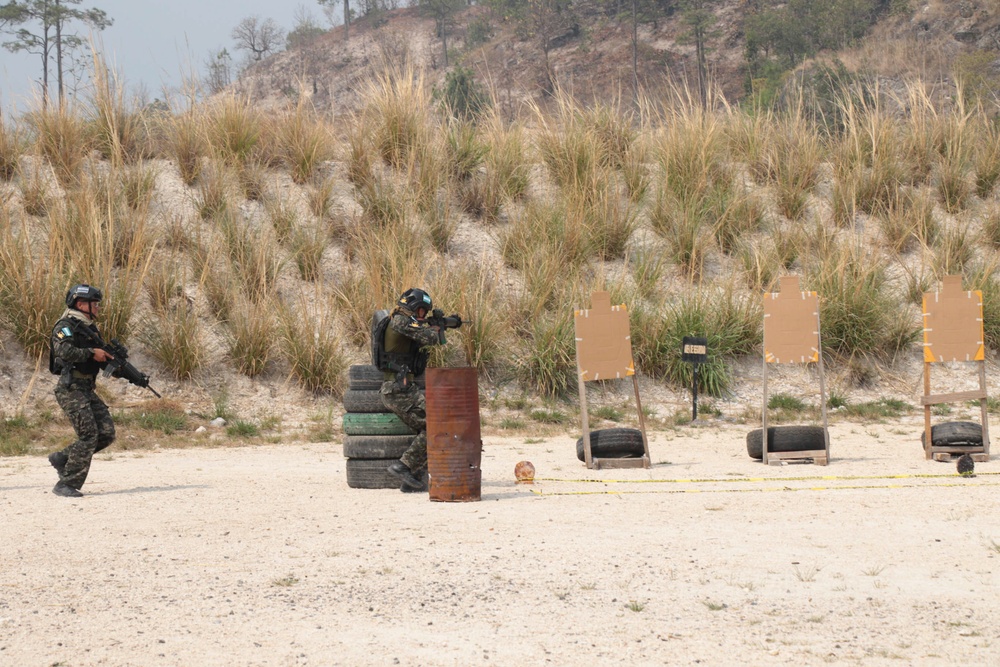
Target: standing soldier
{"points": [[77, 363], [402, 357]]}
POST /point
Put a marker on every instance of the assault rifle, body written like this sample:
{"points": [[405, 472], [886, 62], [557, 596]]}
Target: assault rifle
{"points": [[438, 319], [121, 367]]}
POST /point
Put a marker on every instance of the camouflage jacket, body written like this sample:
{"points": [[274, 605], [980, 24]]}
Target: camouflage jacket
{"points": [[72, 350]]}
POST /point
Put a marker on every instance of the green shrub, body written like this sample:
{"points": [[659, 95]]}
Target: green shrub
{"points": [[16, 435], [463, 97], [242, 429], [882, 408], [785, 402], [732, 325], [548, 363], [859, 315]]}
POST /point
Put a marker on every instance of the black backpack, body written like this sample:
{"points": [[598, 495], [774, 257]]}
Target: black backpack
{"points": [[380, 322]]}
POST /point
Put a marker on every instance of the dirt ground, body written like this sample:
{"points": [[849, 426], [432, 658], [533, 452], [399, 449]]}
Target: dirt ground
{"points": [[264, 556]]}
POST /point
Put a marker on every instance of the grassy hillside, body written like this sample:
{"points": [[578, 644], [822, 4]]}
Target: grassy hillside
{"points": [[233, 243]]}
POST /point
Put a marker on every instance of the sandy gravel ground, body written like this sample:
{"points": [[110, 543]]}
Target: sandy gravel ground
{"points": [[264, 556]]}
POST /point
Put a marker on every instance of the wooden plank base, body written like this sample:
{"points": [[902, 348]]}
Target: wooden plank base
{"points": [[641, 462], [980, 457], [817, 456]]}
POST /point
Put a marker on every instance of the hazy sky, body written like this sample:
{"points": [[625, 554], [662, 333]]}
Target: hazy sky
{"points": [[153, 41]]}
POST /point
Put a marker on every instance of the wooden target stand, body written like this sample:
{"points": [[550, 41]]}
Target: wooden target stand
{"points": [[953, 331], [791, 336], [604, 352]]}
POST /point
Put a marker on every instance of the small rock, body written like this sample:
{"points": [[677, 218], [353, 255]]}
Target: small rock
{"points": [[200, 429], [218, 422]]}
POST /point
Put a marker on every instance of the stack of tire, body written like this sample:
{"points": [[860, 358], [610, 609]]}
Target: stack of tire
{"points": [[374, 437]]}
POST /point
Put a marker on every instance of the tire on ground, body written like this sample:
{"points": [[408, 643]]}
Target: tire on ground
{"points": [[375, 423], [364, 400], [363, 376], [955, 434], [785, 439], [613, 443], [376, 446], [370, 474]]}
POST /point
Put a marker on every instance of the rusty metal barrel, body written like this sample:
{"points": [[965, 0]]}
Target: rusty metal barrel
{"points": [[454, 444]]}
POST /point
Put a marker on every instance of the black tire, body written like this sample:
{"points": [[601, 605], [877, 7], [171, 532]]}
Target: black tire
{"points": [[376, 446], [364, 400], [370, 474], [367, 377], [955, 434], [375, 423], [785, 439], [613, 443]]}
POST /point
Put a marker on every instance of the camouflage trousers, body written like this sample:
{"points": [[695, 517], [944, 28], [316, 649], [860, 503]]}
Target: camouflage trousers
{"points": [[408, 404], [94, 428]]}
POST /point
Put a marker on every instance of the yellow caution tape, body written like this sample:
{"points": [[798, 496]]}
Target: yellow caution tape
{"points": [[708, 480], [758, 490]]}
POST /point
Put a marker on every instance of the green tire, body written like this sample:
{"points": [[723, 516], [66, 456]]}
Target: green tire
{"points": [[375, 423]]}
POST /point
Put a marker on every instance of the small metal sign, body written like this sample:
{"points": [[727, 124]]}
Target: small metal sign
{"points": [[694, 350]]}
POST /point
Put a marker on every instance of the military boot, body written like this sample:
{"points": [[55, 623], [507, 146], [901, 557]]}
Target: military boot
{"points": [[58, 461], [406, 476], [422, 478], [66, 491]]}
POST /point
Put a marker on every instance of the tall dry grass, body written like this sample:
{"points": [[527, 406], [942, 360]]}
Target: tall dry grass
{"points": [[868, 166], [506, 159], [234, 128], [121, 133], [11, 148], [33, 183], [386, 264], [187, 144], [306, 143], [64, 138], [859, 314], [397, 113], [250, 334], [175, 338], [729, 198], [32, 287], [472, 291], [985, 156], [251, 250], [311, 344], [100, 240]]}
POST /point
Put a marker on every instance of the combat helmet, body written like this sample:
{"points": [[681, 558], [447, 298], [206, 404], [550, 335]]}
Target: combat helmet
{"points": [[82, 292], [414, 298]]}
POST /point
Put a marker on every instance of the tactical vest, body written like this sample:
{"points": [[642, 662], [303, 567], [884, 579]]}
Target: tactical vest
{"points": [[391, 350], [91, 367]]}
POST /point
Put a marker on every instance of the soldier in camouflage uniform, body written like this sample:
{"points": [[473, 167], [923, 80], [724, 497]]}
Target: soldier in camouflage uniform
{"points": [[405, 338], [74, 357]]}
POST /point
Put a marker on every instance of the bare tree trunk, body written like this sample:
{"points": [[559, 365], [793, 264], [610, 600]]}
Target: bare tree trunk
{"points": [[347, 20], [45, 68], [702, 74], [444, 44], [59, 55], [635, 53]]}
